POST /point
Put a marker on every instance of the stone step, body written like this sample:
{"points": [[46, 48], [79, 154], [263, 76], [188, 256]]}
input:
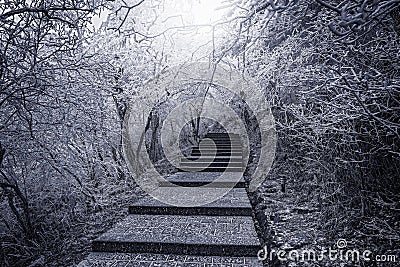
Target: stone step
{"points": [[193, 179], [217, 149], [239, 184], [183, 235], [212, 159], [229, 138], [208, 135], [223, 141], [234, 203], [210, 169], [215, 157], [211, 164], [105, 259], [218, 153], [222, 144]]}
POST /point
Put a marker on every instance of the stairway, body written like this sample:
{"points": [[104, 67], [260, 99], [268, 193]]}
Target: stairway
{"points": [[220, 233], [216, 153]]}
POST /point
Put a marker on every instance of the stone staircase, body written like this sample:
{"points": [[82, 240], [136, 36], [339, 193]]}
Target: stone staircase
{"points": [[222, 153], [220, 233]]}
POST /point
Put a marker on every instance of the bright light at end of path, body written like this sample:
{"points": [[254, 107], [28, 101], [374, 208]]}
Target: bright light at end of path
{"points": [[206, 11]]}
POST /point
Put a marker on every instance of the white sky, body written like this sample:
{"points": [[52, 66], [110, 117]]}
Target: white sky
{"points": [[193, 11], [180, 43]]}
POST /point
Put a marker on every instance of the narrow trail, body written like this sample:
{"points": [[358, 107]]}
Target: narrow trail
{"points": [[220, 233]]}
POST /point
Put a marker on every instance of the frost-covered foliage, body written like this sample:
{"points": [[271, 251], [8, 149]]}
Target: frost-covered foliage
{"points": [[60, 157], [331, 70]]}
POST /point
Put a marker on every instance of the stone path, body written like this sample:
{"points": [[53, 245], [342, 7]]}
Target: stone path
{"points": [[203, 178], [220, 233], [155, 260], [234, 203]]}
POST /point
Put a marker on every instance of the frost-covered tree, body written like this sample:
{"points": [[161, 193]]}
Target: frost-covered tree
{"points": [[331, 71], [60, 130]]}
